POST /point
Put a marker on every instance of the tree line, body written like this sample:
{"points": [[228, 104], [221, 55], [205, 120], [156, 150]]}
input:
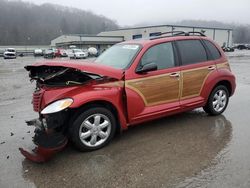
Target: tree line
{"points": [[23, 23]]}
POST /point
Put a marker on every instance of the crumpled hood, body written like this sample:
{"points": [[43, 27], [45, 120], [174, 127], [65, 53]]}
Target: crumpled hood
{"points": [[84, 66]]}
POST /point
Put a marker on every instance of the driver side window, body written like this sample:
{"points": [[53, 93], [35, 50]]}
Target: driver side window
{"points": [[162, 55]]}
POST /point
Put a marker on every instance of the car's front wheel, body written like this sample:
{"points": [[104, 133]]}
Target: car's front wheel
{"points": [[217, 101], [93, 129]]}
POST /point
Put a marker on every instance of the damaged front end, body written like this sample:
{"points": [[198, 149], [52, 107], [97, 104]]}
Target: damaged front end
{"points": [[54, 114], [49, 136]]}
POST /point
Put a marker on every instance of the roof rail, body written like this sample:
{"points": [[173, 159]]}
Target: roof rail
{"points": [[177, 33], [196, 33]]}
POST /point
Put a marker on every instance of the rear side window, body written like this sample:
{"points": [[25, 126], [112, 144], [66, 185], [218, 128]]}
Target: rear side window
{"points": [[191, 51], [215, 53], [161, 54]]}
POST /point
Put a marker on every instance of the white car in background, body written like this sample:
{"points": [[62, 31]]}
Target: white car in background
{"points": [[38, 52], [77, 54], [9, 53]]}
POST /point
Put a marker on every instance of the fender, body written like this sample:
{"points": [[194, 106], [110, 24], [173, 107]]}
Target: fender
{"points": [[214, 78], [86, 94], [112, 96]]}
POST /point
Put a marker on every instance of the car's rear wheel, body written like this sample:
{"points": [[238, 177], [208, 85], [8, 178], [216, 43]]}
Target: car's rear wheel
{"points": [[217, 101], [93, 129]]}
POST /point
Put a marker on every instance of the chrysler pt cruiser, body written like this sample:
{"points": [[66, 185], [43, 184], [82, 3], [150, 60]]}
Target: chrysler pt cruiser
{"points": [[130, 83]]}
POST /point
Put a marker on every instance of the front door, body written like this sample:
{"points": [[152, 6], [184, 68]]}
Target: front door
{"points": [[154, 93]]}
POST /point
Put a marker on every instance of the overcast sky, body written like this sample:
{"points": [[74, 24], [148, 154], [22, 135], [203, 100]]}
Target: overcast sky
{"points": [[131, 12]]}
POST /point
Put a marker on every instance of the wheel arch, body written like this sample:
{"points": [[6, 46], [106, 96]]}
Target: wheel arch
{"points": [[225, 83], [120, 121]]}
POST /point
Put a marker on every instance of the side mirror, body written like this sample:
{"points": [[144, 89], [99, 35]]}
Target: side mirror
{"points": [[147, 67]]}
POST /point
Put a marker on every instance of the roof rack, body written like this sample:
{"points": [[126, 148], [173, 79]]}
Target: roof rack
{"points": [[177, 33]]}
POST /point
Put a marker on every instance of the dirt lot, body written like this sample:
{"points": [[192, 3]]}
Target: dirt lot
{"points": [[185, 150]]}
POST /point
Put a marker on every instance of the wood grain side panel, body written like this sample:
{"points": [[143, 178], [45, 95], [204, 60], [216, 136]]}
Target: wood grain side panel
{"points": [[193, 81], [224, 65], [156, 90]]}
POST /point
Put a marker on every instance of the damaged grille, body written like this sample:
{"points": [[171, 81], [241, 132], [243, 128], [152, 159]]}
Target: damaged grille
{"points": [[37, 99]]}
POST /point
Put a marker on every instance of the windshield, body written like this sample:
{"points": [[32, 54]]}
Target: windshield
{"points": [[118, 56], [10, 50], [77, 50]]}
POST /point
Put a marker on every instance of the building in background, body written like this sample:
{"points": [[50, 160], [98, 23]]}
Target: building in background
{"points": [[223, 36], [85, 41]]}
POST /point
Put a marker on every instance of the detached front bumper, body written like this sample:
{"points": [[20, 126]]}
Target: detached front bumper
{"points": [[48, 137]]}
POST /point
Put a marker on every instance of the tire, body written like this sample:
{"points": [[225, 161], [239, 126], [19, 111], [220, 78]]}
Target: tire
{"points": [[97, 125], [217, 101]]}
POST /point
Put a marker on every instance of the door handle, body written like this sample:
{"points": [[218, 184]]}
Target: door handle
{"points": [[175, 74], [211, 68]]}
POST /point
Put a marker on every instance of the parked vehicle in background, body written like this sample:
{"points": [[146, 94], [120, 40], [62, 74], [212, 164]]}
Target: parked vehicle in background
{"points": [[93, 52], [241, 47], [130, 83], [227, 49], [61, 53], [49, 53], [38, 52], [9, 53], [77, 54], [72, 47]]}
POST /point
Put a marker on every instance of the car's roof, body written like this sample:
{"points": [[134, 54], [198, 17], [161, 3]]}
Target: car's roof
{"points": [[160, 39]]}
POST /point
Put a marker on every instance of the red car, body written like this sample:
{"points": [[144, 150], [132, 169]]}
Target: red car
{"points": [[130, 83], [61, 53]]}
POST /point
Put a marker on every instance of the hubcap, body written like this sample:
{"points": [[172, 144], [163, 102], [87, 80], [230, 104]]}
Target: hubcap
{"points": [[95, 130], [219, 100]]}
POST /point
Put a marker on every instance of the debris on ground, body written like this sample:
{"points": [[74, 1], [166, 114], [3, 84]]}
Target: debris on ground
{"points": [[28, 132], [8, 157], [11, 134], [23, 138], [11, 116], [2, 143]]}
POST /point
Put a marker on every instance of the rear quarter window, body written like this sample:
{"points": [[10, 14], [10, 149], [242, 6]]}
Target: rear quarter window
{"points": [[191, 51], [215, 53]]}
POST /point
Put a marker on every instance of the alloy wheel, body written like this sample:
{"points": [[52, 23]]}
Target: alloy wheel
{"points": [[219, 100], [95, 130]]}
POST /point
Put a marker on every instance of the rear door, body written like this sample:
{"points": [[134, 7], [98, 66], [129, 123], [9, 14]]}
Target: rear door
{"points": [[195, 68]]}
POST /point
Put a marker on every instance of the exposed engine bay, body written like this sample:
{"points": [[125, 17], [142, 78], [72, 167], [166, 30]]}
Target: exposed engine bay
{"points": [[59, 76]]}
